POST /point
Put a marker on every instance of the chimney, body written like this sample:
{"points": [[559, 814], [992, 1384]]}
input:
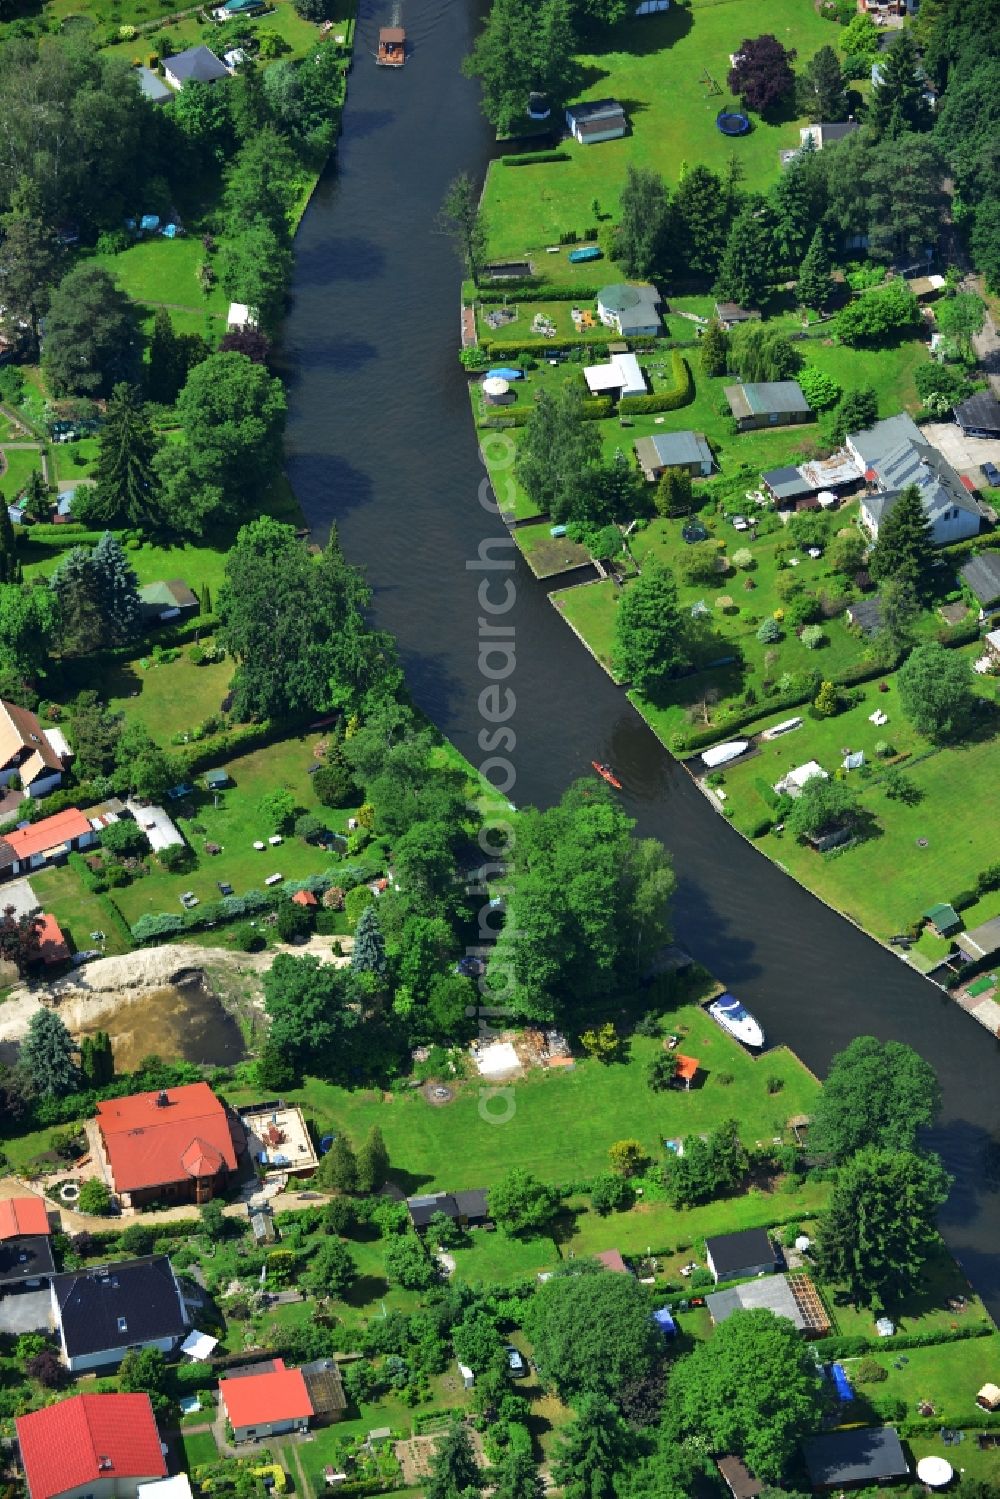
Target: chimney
{"points": [[162, 1099]]}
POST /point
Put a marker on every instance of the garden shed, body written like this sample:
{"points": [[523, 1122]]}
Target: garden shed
{"points": [[942, 919]]}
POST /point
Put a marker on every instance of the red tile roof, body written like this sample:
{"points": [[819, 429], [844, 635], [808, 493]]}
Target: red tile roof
{"points": [[52, 944], [257, 1399], [23, 1217], [51, 831], [150, 1144], [304, 898], [73, 1443], [967, 483], [611, 1259], [687, 1067]]}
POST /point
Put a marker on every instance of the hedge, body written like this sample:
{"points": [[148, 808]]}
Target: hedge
{"points": [[668, 400], [856, 1345], [156, 924], [530, 158], [62, 536], [540, 291], [593, 409]]}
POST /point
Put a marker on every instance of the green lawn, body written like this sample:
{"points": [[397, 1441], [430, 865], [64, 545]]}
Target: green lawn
{"points": [[19, 465], [78, 910], [656, 66], [548, 555], [235, 824], [151, 693], [164, 270], [281, 19], [925, 1310], [946, 1374], [971, 1463], [199, 1447], [885, 882], [72, 460], [565, 1120], [591, 612]]}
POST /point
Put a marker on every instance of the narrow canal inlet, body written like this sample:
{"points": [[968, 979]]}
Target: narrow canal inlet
{"points": [[381, 443]]}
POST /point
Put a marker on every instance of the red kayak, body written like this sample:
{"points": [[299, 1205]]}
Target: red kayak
{"points": [[607, 774]]}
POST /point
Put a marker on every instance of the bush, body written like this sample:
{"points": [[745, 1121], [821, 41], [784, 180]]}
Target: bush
{"points": [[334, 784], [680, 393], [812, 637], [248, 939], [157, 924], [761, 827], [355, 902], [94, 1197], [294, 920], [869, 1371], [819, 389], [963, 900], [530, 158], [769, 632], [125, 839]]}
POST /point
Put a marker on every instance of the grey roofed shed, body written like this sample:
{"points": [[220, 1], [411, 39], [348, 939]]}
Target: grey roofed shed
{"points": [[772, 1293], [982, 941], [982, 575], [765, 397], [196, 65], [681, 447], [855, 1455], [787, 483]]}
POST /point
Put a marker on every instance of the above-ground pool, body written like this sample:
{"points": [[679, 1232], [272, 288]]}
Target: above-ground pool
{"points": [[731, 122]]}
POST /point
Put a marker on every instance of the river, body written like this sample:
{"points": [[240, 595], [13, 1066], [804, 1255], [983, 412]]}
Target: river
{"points": [[380, 441]]}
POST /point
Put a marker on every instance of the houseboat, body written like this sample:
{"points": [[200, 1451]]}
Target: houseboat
{"points": [[391, 47]]}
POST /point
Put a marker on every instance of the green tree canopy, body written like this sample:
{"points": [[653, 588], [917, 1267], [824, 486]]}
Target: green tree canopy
{"points": [[878, 314], [642, 225], [31, 265], [651, 644], [522, 1204], [935, 689], [593, 1332], [454, 1471], [295, 626], [825, 87], [91, 334], [587, 906], [126, 488], [46, 1055], [700, 222], [461, 218], [525, 45], [881, 1223], [557, 449], [815, 288], [28, 618], [877, 1093], [594, 1448], [255, 268], [306, 1003], [823, 806], [759, 352], [750, 1390], [747, 267], [897, 102], [331, 1270]]}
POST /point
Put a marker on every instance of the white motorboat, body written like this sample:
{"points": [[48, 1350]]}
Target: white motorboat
{"points": [[737, 1020], [721, 754]]}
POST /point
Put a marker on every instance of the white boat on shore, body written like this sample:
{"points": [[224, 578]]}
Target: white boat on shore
{"points": [[721, 754], [737, 1020]]}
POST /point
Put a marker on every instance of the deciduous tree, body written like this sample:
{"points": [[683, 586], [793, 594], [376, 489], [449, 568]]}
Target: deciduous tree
{"points": [[461, 218], [877, 1093], [750, 1390], [935, 690], [592, 1332], [521, 1204], [762, 73], [91, 335], [650, 645], [30, 266], [823, 806], [557, 449], [642, 225], [306, 1003]]}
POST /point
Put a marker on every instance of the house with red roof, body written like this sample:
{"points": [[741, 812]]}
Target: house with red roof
{"points": [[174, 1145], [90, 1447], [266, 1403], [52, 945], [25, 1244], [40, 843]]}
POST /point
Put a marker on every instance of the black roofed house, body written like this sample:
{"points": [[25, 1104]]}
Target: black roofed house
{"points": [[770, 403], [102, 1312], [855, 1457], [981, 574], [195, 65], [789, 488], [470, 1209], [979, 416], [827, 135], [25, 1243], [730, 314], [597, 120], [866, 614], [738, 1256]]}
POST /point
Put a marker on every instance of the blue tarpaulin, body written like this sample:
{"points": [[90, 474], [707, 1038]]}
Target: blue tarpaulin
{"points": [[149, 221], [841, 1381], [170, 231], [505, 374], [665, 1322]]}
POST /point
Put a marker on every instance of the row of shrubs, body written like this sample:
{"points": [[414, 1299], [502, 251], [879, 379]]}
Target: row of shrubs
{"points": [[592, 410], [851, 676], [856, 1344], [534, 158], [680, 392]]}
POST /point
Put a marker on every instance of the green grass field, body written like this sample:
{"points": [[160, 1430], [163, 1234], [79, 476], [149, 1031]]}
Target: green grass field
{"points": [[657, 67], [591, 612], [199, 1447], [946, 1374], [159, 270], [885, 882], [235, 824], [19, 465], [564, 1121]]}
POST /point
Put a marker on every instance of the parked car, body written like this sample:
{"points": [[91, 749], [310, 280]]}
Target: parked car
{"points": [[992, 475]]}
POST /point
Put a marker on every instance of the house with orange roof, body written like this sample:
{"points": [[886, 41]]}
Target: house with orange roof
{"points": [[103, 1446], [25, 1243], [175, 1145], [304, 898], [52, 946], [40, 843], [686, 1070], [266, 1402]]}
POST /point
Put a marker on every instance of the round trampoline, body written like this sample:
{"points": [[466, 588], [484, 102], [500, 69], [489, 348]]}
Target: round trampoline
{"points": [[731, 122]]}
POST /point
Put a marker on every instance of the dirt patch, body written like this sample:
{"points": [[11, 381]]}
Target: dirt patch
{"points": [[415, 1458], [438, 1094]]}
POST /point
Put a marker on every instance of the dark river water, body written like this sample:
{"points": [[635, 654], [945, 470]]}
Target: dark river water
{"points": [[381, 442]]}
